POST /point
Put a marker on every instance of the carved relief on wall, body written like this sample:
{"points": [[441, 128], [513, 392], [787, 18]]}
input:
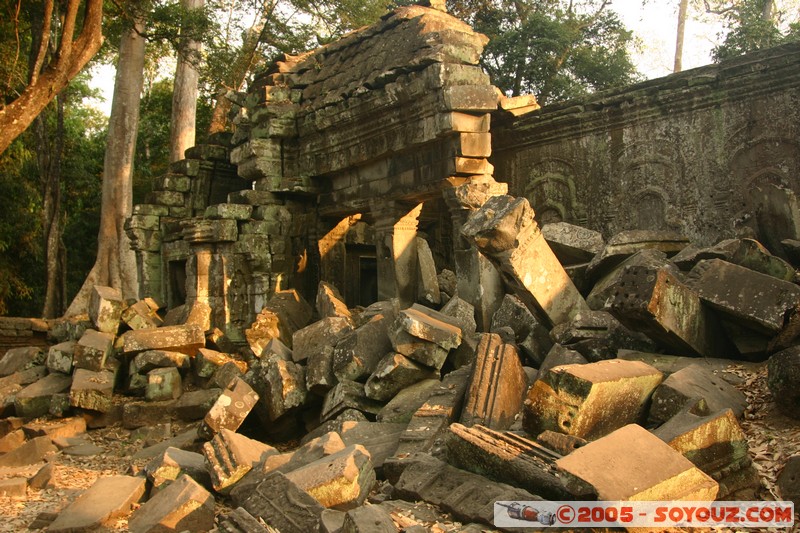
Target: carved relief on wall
{"points": [[550, 189]]}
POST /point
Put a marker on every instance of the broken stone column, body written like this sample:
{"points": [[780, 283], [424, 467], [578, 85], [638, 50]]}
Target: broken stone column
{"points": [[496, 386], [633, 464], [229, 456], [504, 230], [427, 283], [478, 281], [230, 409], [396, 249], [591, 400], [658, 304]]}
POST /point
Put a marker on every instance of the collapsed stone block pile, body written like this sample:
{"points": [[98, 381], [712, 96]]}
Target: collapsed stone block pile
{"points": [[597, 378]]}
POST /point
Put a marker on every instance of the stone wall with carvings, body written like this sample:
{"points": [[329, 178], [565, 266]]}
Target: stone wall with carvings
{"points": [[685, 152]]}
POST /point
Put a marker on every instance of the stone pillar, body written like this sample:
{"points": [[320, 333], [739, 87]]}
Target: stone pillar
{"points": [[332, 252], [479, 282], [396, 250]]}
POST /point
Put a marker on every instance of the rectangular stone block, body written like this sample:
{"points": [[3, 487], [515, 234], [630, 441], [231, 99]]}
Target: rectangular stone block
{"points": [[92, 390], [92, 350], [380, 439], [230, 409], [504, 230], [572, 244], [184, 339], [658, 304], [632, 464], [170, 465], [105, 307], [108, 499], [591, 400], [347, 395], [470, 98], [59, 357], [163, 384], [280, 502], [183, 506], [141, 316], [34, 400], [496, 386], [357, 353]]}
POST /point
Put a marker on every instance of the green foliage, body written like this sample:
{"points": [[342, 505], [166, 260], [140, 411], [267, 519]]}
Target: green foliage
{"points": [[752, 25], [554, 49]]}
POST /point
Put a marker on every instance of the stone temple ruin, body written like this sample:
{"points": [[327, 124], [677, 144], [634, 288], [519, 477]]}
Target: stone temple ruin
{"points": [[343, 272]]}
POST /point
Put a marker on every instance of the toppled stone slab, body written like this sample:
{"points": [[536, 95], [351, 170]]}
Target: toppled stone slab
{"points": [[184, 339], [92, 390], [108, 498], [590, 401], [368, 519], [530, 336], [183, 441], [660, 305], [379, 438], [626, 243], [788, 480], [141, 315], [603, 291], [43, 478], [433, 326], [394, 373], [469, 497], [105, 308], [508, 458], [152, 359], [240, 521], [183, 506], [560, 355], [687, 385], [597, 335], [311, 451], [33, 451], [142, 413], [92, 350], [715, 443], [783, 378], [19, 359], [59, 357], [284, 386], [230, 456], [330, 303], [207, 361], [633, 464], [504, 230], [285, 313], [348, 395], [193, 405], [15, 488], [748, 253], [426, 430], [12, 440], [319, 336], [405, 403], [496, 386], [34, 400], [340, 481], [282, 504], [230, 409], [572, 244], [669, 364], [173, 463], [755, 300], [67, 427], [357, 354]]}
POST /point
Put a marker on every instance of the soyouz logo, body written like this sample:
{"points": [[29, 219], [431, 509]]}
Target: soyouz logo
{"points": [[643, 514]]}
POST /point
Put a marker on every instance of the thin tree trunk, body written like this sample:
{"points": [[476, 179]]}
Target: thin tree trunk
{"points": [[682, 9], [116, 263], [184, 95], [52, 216]]}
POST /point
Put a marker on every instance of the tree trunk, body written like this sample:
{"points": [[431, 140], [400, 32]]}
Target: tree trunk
{"points": [[116, 263], [767, 9], [184, 95], [682, 9], [71, 57]]}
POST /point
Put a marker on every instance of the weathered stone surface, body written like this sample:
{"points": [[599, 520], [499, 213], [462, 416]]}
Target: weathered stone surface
{"points": [[282, 504], [430, 325], [591, 400], [715, 443], [329, 302], [184, 339], [340, 481], [379, 438], [750, 298], [428, 424], [107, 499], [335, 424], [92, 390], [597, 335], [193, 405], [207, 361], [633, 464], [572, 244], [560, 443], [33, 451], [559, 355], [165, 468], [331, 521], [669, 364], [92, 350], [311, 451], [12, 440], [347, 395], [59, 357], [105, 308], [427, 283], [368, 519], [163, 384], [626, 243], [240, 521], [783, 379], [34, 400], [496, 386], [67, 427], [183, 506], [394, 373], [357, 354], [603, 291], [142, 413], [531, 337], [230, 456], [183, 441], [468, 496], [141, 316], [789, 480], [284, 386], [507, 458], [748, 253], [660, 305], [320, 335], [152, 359], [687, 385], [405, 403], [285, 313], [14, 488], [503, 229], [19, 359], [43, 478], [230, 409], [23, 377]]}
